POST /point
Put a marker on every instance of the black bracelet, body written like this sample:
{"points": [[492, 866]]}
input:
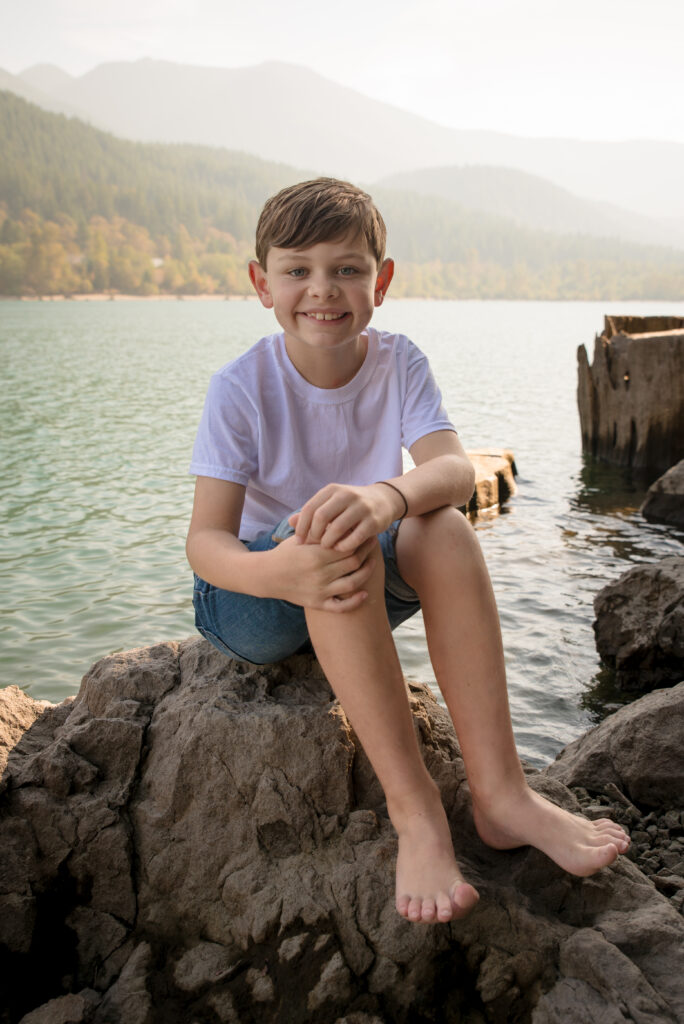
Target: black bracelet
{"points": [[401, 495]]}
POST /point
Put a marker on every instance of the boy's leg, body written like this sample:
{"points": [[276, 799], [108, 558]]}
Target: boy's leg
{"points": [[358, 656], [439, 556]]}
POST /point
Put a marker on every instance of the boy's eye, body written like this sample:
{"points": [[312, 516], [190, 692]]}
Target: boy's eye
{"points": [[296, 272], [347, 271]]}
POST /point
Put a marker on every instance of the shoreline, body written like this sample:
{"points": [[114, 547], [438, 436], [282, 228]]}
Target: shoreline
{"points": [[121, 297], [212, 297]]}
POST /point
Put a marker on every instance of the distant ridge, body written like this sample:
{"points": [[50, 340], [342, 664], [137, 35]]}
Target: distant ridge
{"points": [[47, 78], [290, 114], [31, 92], [534, 202]]}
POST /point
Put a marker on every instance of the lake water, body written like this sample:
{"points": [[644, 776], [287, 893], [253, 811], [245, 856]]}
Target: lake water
{"points": [[100, 407]]}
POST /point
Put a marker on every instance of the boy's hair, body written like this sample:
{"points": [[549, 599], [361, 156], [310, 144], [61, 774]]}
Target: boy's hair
{"points": [[321, 210]]}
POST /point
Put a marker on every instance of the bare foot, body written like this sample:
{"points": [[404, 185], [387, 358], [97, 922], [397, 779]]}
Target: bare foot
{"points": [[576, 844], [430, 887]]}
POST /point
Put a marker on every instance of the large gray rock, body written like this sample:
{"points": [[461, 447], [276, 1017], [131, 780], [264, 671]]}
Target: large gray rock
{"points": [[196, 840], [664, 502], [639, 750], [639, 625]]}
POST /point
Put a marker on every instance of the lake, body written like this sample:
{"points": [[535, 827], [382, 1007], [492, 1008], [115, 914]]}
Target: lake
{"points": [[101, 403]]}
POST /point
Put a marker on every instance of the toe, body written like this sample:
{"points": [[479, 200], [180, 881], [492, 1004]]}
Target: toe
{"points": [[464, 897], [597, 857], [610, 832], [402, 905], [608, 854], [445, 910], [429, 910], [604, 826], [415, 909]]}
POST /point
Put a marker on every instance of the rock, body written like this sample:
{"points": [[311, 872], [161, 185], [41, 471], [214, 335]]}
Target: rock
{"points": [[664, 502], [205, 964], [495, 474], [18, 712], [69, 1009], [638, 749], [129, 999], [639, 625], [598, 973], [631, 400], [334, 984], [197, 839]]}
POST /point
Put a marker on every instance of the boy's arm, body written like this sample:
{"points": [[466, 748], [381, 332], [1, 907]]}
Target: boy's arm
{"points": [[444, 475], [213, 549], [343, 517], [307, 575]]}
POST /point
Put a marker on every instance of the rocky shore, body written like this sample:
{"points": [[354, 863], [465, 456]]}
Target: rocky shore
{"points": [[194, 841]]}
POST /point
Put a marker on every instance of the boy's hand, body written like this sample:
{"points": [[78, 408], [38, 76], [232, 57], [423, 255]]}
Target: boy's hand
{"points": [[342, 517], [317, 577]]}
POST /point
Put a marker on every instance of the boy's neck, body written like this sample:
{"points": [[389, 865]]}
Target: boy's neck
{"points": [[328, 368]]}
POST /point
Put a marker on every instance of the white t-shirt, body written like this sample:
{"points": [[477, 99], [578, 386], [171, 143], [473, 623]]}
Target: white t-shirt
{"points": [[265, 427]]}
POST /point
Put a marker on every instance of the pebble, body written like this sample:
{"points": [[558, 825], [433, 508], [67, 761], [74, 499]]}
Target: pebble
{"points": [[657, 840]]}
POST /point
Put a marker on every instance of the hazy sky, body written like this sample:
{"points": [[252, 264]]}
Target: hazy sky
{"points": [[593, 69]]}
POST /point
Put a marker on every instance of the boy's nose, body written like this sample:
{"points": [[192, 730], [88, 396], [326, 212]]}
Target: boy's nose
{"points": [[322, 286]]}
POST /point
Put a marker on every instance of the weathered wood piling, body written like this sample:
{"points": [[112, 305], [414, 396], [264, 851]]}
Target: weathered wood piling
{"points": [[631, 399]]}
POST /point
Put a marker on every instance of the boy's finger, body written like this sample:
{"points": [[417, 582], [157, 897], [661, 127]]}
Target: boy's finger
{"points": [[359, 535], [322, 519], [306, 517], [350, 583], [345, 604], [302, 524], [356, 562]]}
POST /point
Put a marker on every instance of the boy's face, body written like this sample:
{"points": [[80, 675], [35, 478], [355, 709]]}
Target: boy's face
{"points": [[323, 296]]}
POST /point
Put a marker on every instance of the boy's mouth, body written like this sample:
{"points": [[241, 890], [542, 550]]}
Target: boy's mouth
{"points": [[325, 316]]}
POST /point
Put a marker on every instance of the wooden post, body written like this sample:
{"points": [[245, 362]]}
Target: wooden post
{"points": [[631, 400]]}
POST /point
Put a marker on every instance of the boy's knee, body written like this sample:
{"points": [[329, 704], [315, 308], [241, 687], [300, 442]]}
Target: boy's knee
{"points": [[442, 526], [443, 539]]}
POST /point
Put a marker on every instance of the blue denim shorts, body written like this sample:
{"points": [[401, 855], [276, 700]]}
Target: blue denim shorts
{"points": [[262, 630]]}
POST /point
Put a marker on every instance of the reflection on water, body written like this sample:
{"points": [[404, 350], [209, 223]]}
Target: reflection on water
{"points": [[609, 528], [608, 501], [602, 697], [611, 490], [99, 414]]}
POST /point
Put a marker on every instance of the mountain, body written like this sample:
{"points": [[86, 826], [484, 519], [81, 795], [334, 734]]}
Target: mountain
{"points": [[533, 202], [48, 100], [290, 114], [81, 210], [47, 79]]}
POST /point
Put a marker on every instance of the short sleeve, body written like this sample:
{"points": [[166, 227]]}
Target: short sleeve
{"points": [[423, 410], [226, 445]]}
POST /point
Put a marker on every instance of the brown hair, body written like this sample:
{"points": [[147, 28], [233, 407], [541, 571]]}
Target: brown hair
{"points": [[321, 210]]}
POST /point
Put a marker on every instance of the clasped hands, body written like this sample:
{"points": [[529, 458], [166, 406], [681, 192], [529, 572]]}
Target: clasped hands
{"points": [[331, 556]]}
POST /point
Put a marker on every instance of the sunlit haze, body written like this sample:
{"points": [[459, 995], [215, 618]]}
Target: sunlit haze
{"points": [[594, 69]]}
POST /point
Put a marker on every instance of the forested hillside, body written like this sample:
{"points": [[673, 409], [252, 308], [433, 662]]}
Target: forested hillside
{"points": [[82, 211]]}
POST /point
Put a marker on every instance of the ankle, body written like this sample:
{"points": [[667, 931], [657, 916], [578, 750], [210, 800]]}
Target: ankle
{"points": [[491, 799], [421, 803]]}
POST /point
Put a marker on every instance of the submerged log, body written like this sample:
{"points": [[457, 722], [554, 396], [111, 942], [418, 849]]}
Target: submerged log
{"points": [[631, 400]]}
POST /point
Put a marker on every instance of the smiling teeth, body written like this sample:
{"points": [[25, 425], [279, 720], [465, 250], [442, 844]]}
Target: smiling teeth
{"points": [[326, 316]]}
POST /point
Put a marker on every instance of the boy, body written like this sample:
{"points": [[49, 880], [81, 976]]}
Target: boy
{"points": [[305, 531]]}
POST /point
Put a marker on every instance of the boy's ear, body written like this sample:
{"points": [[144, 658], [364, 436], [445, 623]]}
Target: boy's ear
{"points": [[382, 282], [257, 276]]}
